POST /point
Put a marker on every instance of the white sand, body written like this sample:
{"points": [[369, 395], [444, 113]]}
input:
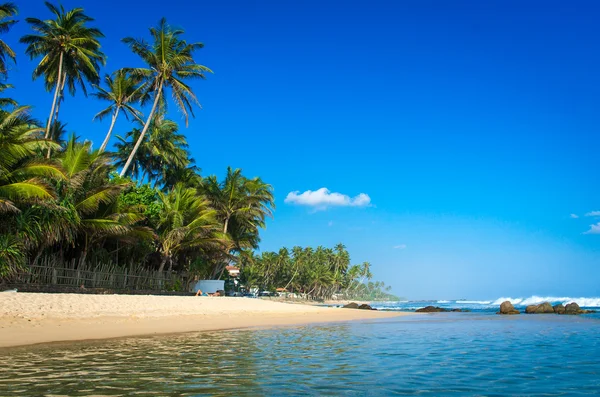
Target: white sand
{"points": [[28, 318]]}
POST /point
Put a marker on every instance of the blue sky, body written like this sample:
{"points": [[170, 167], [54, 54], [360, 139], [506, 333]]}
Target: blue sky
{"points": [[471, 126]]}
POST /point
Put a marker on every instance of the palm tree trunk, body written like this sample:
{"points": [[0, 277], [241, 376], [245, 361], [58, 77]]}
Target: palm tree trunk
{"points": [[226, 225], [58, 83], [162, 264], [141, 138], [61, 95], [112, 124]]}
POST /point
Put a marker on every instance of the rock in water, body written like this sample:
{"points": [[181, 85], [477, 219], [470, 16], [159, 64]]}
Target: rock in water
{"points": [[431, 309], [539, 309], [559, 309], [531, 309], [573, 308], [507, 308], [545, 308], [351, 306], [364, 306]]}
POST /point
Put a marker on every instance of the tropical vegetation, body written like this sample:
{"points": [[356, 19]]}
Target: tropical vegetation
{"points": [[142, 203]]}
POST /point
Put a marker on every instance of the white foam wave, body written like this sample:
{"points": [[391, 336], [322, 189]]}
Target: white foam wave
{"points": [[534, 300], [475, 302], [443, 302]]}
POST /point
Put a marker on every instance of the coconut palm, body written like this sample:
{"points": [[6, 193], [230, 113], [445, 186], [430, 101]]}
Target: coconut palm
{"points": [[250, 201], [89, 199], [170, 61], [7, 11], [21, 168], [122, 91], [186, 223], [70, 52], [163, 151]]}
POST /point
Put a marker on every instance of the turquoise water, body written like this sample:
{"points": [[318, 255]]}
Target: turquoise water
{"points": [[434, 354]]}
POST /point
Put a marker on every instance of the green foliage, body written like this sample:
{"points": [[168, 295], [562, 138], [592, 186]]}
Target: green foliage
{"points": [[63, 202], [145, 198], [7, 12], [321, 273], [12, 256]]}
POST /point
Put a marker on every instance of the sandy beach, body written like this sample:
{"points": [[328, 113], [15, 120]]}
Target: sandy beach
{"points": [[30, 318]]}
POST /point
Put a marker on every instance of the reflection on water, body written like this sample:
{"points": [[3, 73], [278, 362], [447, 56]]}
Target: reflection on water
{"points": [[462, 354]]}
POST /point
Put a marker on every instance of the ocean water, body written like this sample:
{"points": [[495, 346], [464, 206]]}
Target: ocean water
{"points": [[489, 306], [441, 354]]}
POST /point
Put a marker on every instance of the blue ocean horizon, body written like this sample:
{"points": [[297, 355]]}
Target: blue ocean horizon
{"points": [[455, 354]]}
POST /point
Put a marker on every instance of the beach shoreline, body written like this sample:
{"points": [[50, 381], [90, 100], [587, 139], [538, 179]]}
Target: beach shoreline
{"points": [[35, 318]]}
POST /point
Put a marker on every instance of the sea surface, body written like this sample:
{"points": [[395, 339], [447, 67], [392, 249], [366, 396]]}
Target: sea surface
{"points": [[440, 354]]}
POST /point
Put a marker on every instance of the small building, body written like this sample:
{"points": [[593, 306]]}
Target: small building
{"points": [[233, 271]]}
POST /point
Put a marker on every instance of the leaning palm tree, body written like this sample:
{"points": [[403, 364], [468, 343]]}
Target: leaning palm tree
{"points": [[70, 52], [170, 60], [7, 11], [122, 90]]}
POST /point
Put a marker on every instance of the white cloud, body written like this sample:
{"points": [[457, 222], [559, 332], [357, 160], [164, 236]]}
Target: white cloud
{"points": [[400, 246], [574, 216], [323, 198], [594, 229], [593, 213]]}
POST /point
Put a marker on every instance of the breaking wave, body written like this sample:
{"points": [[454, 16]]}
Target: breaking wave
{"points": [[534, 300]]}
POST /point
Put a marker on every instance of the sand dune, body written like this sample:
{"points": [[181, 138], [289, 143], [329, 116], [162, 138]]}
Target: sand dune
{"points": [[28, 318]]}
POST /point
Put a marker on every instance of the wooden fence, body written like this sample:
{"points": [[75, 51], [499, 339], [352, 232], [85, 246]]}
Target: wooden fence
{"points": [[106, 276]]}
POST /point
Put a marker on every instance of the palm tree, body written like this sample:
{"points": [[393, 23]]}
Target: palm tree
{"points": [[70, 52], [7, 11], [21, 169], [163, 151], [4, 102], [121, 91], [89, 199], [248, 200], [170, 61], [186, 222]]}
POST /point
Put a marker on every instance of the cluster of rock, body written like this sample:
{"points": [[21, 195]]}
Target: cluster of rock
{"points": [[436, 309], [544, 308], [354, 305]]}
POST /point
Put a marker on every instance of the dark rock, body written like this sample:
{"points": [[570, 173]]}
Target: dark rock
{"points": [[531, 309], [459, 310], [431, 309], [507, 308], [539, 309], [573, 308], [559, 309], [545, 308], [364, 306], [351, 306]]}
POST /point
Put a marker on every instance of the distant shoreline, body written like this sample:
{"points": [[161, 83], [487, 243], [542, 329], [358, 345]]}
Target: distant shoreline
{"points": [[34, 318]]}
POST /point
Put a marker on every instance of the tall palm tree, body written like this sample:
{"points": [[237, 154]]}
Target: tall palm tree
{"points": [[170, 60], [7, 11], [70, 52], [122, 90]]}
